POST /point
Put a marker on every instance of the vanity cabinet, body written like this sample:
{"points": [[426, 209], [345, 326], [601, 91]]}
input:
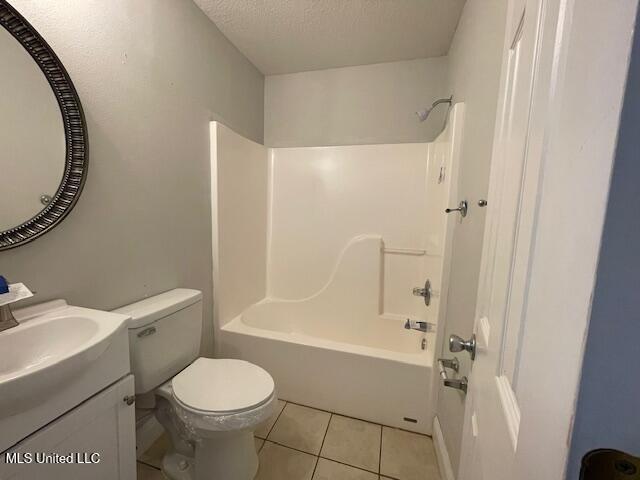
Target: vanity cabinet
{"points": [[97, 437]]}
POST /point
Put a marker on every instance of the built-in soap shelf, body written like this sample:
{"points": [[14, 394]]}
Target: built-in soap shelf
{"points": [[405, 251], [410, 251], [431, 251], [403, 270]]}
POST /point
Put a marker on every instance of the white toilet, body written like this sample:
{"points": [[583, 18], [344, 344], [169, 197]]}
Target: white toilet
{"points": [[209, 407]]}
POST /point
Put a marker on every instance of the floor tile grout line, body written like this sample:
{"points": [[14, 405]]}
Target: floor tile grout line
{"points": [[315, 466], [360, 419], [380, 452], [307, 406], [319, 454], [291, 448], [343, 415], [274, 423], [322, 445], [148, 465], [318, 457], [323, 457], [349, 465]]}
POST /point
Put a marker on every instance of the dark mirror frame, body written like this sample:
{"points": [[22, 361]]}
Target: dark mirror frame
{"points": [[75, 131]]}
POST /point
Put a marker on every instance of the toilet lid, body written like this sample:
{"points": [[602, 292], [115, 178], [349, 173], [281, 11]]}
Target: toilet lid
{"points": [[222, 385]]}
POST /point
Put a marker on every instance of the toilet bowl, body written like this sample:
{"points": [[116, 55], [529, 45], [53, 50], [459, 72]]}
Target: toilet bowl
{"points": [[209, 407]]}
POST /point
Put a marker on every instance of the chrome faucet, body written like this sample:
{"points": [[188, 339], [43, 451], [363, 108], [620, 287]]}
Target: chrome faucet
{"points": [[7, 320]]}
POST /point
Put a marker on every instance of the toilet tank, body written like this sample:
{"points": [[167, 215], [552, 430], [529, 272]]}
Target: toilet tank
{"points": [[164, 335]]}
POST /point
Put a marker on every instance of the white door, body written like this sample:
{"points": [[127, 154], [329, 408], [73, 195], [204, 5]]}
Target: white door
{"points": [[493, 392], [493, 413], [510, 379]]}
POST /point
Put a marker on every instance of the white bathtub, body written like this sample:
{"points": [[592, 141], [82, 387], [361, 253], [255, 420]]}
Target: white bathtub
{"points": [[368, 367]]}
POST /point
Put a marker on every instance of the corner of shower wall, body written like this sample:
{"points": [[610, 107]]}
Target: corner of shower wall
{"points": [[450, 141], [270, 188], [239, 199]]}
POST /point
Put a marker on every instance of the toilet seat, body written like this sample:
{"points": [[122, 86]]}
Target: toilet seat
{"points": [[210, 399], [222, 386]]}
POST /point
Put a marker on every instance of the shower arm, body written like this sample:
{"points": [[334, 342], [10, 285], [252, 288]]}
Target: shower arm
{"points": [[423, 114], [443, 100]]}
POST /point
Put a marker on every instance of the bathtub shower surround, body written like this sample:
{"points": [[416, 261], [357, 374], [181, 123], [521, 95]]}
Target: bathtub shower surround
{"points": [[319, 295]]}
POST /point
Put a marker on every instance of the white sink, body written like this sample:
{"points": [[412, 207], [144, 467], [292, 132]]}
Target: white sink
{"points": [[56, 358]]}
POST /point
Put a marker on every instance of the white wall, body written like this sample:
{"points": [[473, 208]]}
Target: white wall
{"points": [[355, 105], [239, 192], [151, 75], [607, 407], [323, 197], [474, 74]]}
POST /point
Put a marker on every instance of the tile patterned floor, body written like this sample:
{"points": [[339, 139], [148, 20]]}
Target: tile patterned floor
{"points": [[303, 443]]}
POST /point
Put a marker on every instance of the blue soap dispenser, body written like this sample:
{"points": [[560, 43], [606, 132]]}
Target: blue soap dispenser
{"points": [[4, 286]]}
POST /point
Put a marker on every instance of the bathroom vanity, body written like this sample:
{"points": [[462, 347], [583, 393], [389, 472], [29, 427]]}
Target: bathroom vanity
{"points": [[66, 395]]}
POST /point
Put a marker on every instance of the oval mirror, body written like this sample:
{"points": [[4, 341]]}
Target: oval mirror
{"points": [[43, 160]]}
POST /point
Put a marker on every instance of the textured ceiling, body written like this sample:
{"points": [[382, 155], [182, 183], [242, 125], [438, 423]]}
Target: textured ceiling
{"points": [[285, 36]]}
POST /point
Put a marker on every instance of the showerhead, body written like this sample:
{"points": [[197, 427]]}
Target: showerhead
{"points": [[424, 113]]}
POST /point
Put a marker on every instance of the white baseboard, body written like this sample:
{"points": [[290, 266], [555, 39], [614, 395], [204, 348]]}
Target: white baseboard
{"points": [[147, 434], [444, 462]]}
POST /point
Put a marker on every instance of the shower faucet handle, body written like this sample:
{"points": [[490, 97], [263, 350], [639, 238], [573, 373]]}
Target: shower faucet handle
{"points": [[425, 292], [463, 208]]}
